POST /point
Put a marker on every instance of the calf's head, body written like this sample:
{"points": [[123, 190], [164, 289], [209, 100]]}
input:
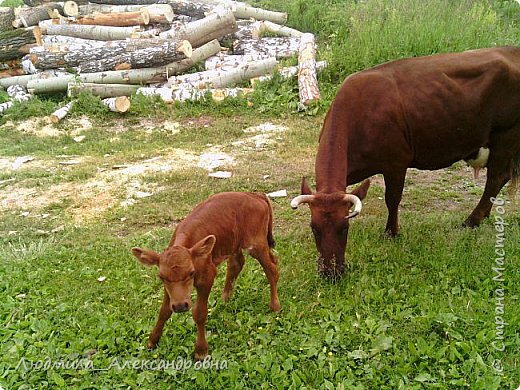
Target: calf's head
{"points": [[178, 268], [330, 214]]}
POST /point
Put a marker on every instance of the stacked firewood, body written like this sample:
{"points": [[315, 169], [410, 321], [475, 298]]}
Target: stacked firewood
{"points": [[147, 46]]}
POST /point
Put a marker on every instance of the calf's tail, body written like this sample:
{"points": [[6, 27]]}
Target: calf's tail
{"points": [[270, 239]]}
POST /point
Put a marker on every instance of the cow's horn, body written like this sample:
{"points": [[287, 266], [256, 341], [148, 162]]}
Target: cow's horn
{"points": [[301, 199], [357, 204]]}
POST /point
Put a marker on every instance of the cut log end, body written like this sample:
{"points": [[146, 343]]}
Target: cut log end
{"points": [[117, 104], [71, 8], [37, 32], [185, 48]]}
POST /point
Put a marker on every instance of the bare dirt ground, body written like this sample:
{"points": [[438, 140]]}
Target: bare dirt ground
{"points": [[120, 184]]}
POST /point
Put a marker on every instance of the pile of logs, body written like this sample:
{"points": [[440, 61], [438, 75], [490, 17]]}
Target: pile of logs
{"points": [[147, 46]]}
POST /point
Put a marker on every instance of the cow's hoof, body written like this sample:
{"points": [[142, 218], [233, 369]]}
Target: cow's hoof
{"points": [[470, 223], [389, 234]]}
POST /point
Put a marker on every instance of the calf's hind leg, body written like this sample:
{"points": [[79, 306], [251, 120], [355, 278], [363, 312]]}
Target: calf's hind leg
{"points": [[235, 265], [268, 261]]}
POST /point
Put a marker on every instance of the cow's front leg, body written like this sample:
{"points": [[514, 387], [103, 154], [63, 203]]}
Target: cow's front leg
{"points": [[200, 316], [394, 184], [164, 314]]}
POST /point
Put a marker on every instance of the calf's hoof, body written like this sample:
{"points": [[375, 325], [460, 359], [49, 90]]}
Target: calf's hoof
{"points": [[275, 306], [200, 355], [151, 344]]}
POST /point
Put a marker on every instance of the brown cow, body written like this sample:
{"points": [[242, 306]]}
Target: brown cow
{"points": [[217, 229], [425, 113]]}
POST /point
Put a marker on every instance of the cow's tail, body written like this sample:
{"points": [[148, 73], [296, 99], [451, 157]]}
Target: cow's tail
{"points": [[515, 177]]}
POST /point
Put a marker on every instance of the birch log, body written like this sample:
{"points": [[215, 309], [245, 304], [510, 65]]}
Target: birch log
{"points": [[288, 72], [222, 78], [131, 76], [18, 93], [24, 79], [185, 93], [121, 19], [13, 43], [101, 90], [159, 13], [307, 80], [5, 106], [31, 16], [6, 18], [244, 11], [262, 26], [271, 47], [214, 26], [101, 33], [114, 55], [117, 104], [60, 113], [229, 61]]}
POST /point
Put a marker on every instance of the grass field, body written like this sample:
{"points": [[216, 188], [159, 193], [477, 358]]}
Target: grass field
{"points": [[419, 311]]}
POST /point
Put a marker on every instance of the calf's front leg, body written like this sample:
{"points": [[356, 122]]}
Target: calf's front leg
{"points": [[200, 316], [164, 314]]}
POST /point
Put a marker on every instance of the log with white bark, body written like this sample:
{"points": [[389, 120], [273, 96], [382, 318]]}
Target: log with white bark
{"points": [[159, 13], [131, 76], [117, 104], [214, 26], [101, 33], [25, 79], [60, 113], [32, 16], [6, 18], [185, 93], [70, 8], [230, 61], [223, 78], [262, 26], [273, 47], [113, 55], [5, 106], [18, 93], [121, 19], [13, 43], [307, 79], [288, 72], [245, 11], [101, 90]]}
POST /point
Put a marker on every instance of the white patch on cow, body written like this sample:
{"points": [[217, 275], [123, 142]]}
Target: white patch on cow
{"points": [[479, 162]]}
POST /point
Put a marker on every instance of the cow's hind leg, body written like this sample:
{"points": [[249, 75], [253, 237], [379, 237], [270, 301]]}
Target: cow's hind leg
{"points": [[394, 184], [235, 265], [268, 261], [498, 174]]}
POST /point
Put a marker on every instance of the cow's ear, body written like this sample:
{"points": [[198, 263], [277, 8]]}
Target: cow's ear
{"points": [[146, 256], [204, 247], [361, 191], [305, 189]]}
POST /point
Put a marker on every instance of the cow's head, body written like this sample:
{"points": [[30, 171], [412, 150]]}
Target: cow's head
{"points": [[178, 267], [330, 214]]}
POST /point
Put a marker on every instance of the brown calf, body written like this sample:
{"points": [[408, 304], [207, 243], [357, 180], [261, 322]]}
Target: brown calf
{"points": [[217, 229]]}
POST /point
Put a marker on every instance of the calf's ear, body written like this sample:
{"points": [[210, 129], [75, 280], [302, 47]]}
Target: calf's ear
{"points": [[204, 247], [146, 256]]}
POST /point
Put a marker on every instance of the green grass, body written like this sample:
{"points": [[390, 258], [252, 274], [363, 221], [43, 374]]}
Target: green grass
{"points": [[411, 313]]}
